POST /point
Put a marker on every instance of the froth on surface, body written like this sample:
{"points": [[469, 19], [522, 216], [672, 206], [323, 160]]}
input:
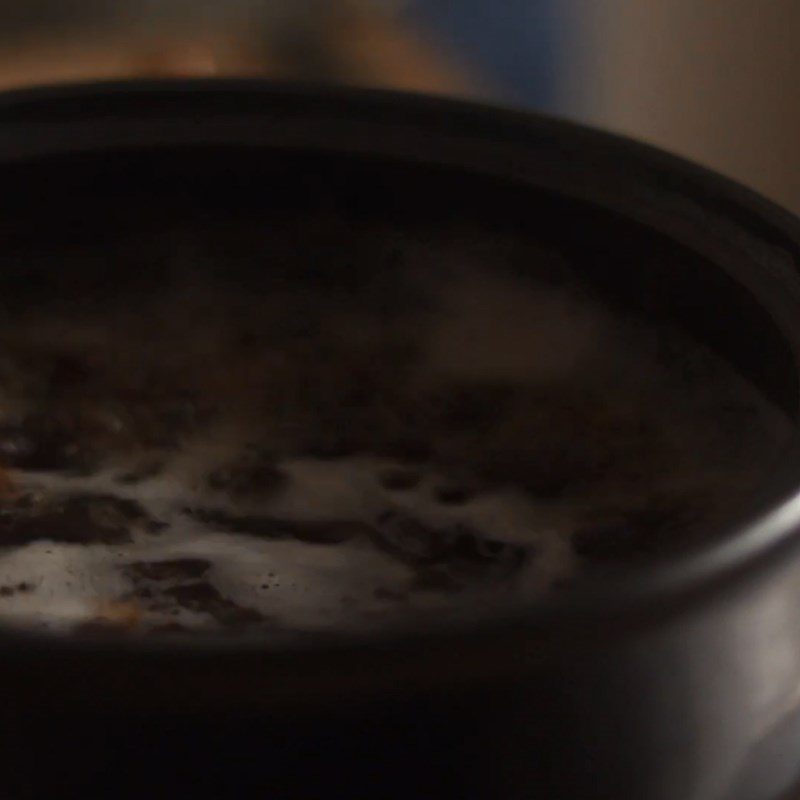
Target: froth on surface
{"points": [[418, 434]]}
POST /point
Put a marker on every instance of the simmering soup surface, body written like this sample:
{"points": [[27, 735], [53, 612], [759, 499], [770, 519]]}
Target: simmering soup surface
{"points": [[401, 429]]}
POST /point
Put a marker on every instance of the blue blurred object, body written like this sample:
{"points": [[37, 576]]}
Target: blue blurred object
{"points": [[513, 44]]}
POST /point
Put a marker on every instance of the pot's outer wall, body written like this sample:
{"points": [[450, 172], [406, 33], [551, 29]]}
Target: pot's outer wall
{"points": [[707, 707], [697, 700]]}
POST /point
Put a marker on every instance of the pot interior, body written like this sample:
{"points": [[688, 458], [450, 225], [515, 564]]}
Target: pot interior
{"points": [[295, 392]]}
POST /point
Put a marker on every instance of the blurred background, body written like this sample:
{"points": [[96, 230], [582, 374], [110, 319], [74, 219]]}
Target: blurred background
{"points": [[714, 80]]}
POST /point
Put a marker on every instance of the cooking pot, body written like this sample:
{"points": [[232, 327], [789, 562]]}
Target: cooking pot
{"points": [[673, 679]]}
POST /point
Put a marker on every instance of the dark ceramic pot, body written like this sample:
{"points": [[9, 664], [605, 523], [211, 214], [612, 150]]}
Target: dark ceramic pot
{"points": [[677, 680]]}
